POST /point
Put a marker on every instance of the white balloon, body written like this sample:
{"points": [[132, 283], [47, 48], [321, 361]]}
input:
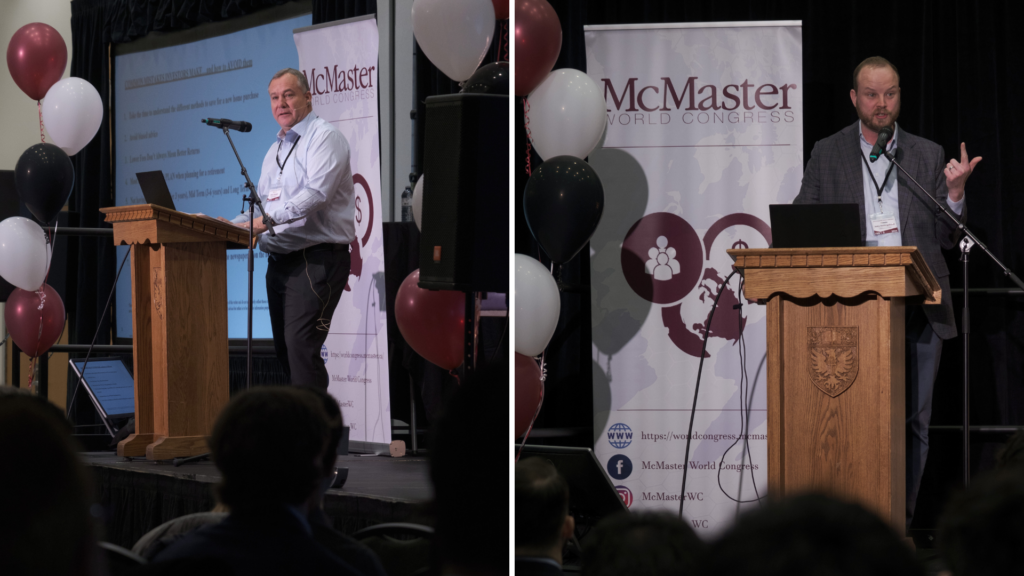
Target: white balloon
{"points": [[417, 203], [72, 113], [537, 304], [454, 34], [24, 253], [567, 114]]}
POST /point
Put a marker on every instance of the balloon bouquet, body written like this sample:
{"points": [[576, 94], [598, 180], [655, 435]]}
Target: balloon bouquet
{"points": [[72, 112], [564, 113], [455, 35]]}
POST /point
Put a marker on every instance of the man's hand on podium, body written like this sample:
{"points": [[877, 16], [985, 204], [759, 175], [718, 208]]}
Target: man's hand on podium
{"points": [[257, 225]]}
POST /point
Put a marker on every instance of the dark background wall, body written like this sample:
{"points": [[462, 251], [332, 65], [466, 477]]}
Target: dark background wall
{"points": [[959, 66]]}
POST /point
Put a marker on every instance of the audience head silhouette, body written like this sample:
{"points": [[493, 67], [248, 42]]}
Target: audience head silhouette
{"points": [[981, 532], [810, 535], [45, 493], [269, 445], [641, 544], [543, 523]]}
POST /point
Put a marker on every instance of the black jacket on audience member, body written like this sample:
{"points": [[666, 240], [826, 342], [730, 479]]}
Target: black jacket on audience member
{"points": [[267, 542], [532, 566]]}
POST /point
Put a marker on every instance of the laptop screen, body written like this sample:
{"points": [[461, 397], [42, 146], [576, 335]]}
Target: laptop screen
{"points": [[815, 225], [154, 188], [109, 385]]}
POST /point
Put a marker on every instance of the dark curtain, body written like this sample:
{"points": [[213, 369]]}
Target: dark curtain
{"points": [[958, 65], [91, 265], [131, 19], [331, 10]]}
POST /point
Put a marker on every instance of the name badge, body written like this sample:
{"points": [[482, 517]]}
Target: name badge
{"points": [[884, 224], [273, 194]]}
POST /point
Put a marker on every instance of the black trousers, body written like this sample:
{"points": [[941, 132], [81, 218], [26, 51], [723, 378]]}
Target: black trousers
{"points": [[303, 289]]}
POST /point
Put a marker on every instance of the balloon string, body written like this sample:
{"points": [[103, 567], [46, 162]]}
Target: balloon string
{"points": [[49, 240], [504, 33], [39, 105], [543, 377], [31, 372], [529, 136]]}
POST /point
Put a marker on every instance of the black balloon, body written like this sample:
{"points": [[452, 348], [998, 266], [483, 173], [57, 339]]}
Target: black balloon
{"points": [[563, 203], [489, 79], [44, 177]]}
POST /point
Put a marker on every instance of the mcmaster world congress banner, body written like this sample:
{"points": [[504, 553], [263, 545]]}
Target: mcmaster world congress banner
{"points": [[704, 132], [339, 59]]}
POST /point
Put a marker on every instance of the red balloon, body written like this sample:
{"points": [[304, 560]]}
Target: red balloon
{"points": [[433, 322], [35, 320], [36, 57], [538, 42], [500, 9], [529, 392]]}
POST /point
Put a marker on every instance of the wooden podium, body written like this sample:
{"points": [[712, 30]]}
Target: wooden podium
{"points": [[836, 417], [179, 326]]}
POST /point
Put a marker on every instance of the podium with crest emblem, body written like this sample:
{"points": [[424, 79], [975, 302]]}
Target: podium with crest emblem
{"points": [[836, 381]]}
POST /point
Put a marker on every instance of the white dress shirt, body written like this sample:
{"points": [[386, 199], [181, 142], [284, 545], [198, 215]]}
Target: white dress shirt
{"points": [[306, 187]]}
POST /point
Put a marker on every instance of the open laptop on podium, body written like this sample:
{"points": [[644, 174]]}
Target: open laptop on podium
{"points": [[154, 188], [815, 225]]}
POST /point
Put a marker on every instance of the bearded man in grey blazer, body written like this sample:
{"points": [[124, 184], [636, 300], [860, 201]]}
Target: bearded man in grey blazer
{"points": [[839, 173]]}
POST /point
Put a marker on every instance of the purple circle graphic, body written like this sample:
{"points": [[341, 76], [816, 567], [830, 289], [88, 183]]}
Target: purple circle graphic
{"points": [[662, 258]]}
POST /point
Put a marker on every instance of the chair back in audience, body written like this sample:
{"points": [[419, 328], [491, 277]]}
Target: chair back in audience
{"points": [[121, 560], [403, 548], [154, 541]]}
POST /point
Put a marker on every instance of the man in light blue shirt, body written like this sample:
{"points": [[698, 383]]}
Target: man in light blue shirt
{"points": [[306, 189]]}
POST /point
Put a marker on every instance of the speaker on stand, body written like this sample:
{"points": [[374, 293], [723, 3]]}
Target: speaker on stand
{"points": [[464, 238]]}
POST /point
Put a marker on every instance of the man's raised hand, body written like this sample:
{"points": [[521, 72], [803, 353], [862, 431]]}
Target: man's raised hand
{"points": [[957, 173]]}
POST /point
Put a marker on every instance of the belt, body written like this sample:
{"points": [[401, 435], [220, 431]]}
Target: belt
{"points": [[324, 247]]}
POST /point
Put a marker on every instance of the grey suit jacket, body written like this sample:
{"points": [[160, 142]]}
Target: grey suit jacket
{"points": [[834, 175]]}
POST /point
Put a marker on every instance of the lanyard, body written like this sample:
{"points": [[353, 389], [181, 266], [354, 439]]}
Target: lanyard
{"points": [[875, 182], [281, 165]]}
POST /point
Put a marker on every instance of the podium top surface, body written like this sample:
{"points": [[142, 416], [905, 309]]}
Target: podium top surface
{"points": [[892, 271], [152, 224]]}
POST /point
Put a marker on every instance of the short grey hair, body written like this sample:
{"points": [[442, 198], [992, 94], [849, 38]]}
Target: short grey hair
{"points": [[303, 83]]}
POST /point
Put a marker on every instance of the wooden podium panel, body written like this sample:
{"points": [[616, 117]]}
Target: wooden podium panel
{"points": [[836, 380], [179, 326]]}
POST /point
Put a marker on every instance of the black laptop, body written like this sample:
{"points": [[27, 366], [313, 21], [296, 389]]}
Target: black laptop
{"points": [[154, 188], [815, 225]]}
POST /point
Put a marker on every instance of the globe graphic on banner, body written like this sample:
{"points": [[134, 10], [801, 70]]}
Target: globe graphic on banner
{"points": [[620, 436]]}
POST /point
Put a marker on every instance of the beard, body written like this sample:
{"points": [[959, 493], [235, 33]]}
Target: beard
{"points": [[873, 125]]}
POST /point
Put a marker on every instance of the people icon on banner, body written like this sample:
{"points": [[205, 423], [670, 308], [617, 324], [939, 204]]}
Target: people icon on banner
{"points": [[662, 263]]}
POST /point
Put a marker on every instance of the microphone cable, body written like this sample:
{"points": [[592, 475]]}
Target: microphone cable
{"points": [[696, 388], [746, 399]]}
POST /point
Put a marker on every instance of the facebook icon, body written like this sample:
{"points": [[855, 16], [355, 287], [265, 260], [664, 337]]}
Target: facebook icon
{"points": [[619, 467]]}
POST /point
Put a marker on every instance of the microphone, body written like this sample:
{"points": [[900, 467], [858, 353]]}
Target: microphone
{"points": [[880, 143], [239, 125]]}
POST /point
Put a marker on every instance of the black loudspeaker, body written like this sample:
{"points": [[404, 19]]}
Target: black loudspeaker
{"points": [[464, 240]]}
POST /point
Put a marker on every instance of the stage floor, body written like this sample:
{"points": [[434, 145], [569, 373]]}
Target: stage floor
{"points": [[404, 479], [139, 495]]}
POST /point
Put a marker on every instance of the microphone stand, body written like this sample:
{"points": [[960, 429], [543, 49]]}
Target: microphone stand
{"points": [[969, 241], [254, 202]]}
